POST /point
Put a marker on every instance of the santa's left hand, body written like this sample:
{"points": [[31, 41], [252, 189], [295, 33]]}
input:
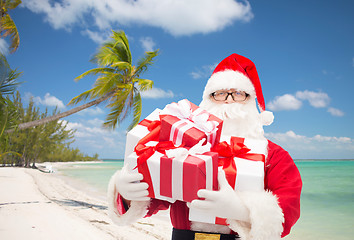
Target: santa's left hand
{"points": [[224, 203]]}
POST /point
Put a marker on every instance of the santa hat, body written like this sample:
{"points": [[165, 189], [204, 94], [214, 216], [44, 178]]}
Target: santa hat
{"points": [[240, 73]]}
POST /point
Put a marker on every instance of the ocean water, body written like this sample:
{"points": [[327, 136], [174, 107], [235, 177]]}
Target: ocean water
{"points": [[327, 200], [94, 177]]}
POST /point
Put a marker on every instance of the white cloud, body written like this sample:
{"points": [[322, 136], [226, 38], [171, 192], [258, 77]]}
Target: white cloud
{"points": [[285, 102], [316, 99], [83, 130], [291, 102], [318, 146], [97, 37], [92, 138], [62, 14], [148, 44], [4, 47], [335, 139], [177, 17], [204, 71], [291, 135], [48, 100], [335, 112], [157, 93], [95, 122], [91, 111], [283, 137]]}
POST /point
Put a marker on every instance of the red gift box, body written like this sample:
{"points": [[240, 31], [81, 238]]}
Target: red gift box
{"points": [[184, 123], [181, 179], [175, 174]]}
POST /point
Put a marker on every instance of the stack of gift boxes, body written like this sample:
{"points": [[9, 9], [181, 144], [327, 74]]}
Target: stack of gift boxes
{"points": [[179, 150]]}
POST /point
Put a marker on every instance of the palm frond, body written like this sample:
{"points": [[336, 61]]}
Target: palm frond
{"points": [[95, 71], [105, 55], [8, 28], [119, 109], [143, 84], [121, 66], [12, 4], [9, 114], [121, 39], [82, 97], [8, 77], [115, 50], [106, 84], [9, 85], [145, 61], [137, 107]]}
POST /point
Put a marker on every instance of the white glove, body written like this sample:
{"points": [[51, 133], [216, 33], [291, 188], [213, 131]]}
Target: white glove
{"points": [[129, 186], [224, 203]]}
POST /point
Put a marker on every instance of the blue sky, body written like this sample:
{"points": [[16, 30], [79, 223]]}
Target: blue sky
{"points": [[303, 51]]}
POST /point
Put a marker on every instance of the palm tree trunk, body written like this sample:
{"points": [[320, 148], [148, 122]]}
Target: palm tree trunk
{"points": [[61, 115]]}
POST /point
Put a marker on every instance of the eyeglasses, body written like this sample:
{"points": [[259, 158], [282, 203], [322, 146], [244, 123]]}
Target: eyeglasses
{"points": [[237, 96]]}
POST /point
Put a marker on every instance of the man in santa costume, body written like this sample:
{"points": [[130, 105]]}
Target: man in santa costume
{"points": [[232, 94]]}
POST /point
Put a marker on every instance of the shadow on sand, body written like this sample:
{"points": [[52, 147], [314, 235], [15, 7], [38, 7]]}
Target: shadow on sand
{"points": [[75, 203]]}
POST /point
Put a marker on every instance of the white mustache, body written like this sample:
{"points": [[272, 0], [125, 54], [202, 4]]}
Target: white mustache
{"points": [[228, 111], [240, 119]]}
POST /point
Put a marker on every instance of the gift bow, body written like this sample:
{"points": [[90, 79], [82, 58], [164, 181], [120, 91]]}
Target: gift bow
{"points": [[154, 130], [144, 152], [180, 154], [183, 110], [236, 148]]}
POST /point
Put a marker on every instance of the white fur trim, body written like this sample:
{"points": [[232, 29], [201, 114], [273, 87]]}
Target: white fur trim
{"points": [[136, 211], [267, 118], [228, 79], [265, 214]]}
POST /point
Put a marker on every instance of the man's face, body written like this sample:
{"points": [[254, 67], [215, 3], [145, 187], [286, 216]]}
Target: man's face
{"points": [[238, 110]]}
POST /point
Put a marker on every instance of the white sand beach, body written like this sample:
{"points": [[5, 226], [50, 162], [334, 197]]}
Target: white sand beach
{"points": [[37, 205]]}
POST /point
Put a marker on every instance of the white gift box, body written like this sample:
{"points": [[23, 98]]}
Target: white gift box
{"points": [[249, 177], [154, 168], [138, 132]]}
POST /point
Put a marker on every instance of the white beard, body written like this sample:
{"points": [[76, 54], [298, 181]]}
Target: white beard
{"points": [[240, 119]]}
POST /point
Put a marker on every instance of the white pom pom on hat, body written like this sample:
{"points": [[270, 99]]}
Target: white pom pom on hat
{"points": [[267, 118], [240, 73]]}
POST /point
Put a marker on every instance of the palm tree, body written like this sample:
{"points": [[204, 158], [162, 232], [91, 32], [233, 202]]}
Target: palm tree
{"points": [[118, 84], [8, 111], [8, 77], [8, 84], [7, 25]]}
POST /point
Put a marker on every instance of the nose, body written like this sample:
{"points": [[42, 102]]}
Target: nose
{"points": [[229, 99]]}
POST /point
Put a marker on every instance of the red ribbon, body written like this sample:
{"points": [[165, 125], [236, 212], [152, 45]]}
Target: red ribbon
{"points": [[236, 148], [154, 130], [144, 153]]}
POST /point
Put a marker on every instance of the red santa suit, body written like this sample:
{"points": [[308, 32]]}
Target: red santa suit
{"points": [[272, 212]]}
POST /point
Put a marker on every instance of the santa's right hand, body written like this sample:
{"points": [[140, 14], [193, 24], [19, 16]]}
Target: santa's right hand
{"points": [[129, 186]]}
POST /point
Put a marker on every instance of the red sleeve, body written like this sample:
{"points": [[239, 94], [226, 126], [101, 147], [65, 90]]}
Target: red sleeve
{"points": [[121, 207], [157, 205], [283, 179]]}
